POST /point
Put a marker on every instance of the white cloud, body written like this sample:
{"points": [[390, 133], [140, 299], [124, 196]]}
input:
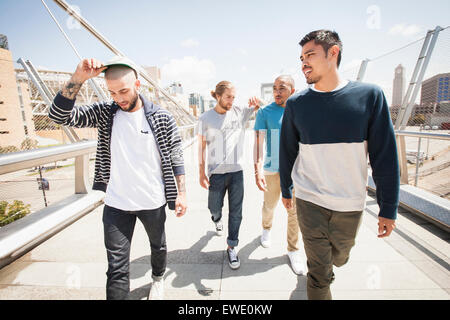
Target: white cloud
{"points": [[242, 51], [189, 43], [405, 30], [194, 74]]}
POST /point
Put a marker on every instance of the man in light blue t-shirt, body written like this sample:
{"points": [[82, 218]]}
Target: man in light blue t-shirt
{"points": [[267, 126]]}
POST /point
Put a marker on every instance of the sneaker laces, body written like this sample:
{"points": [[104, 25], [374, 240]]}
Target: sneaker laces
{"points": [[232, 255]]}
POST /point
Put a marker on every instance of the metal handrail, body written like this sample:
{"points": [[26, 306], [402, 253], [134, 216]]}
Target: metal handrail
{"points": [[27, 159], [16, 161], [442, 136], [401, 134]]}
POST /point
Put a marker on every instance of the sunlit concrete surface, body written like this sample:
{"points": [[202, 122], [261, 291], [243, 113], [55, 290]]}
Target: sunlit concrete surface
{"points": [[413, 263]]}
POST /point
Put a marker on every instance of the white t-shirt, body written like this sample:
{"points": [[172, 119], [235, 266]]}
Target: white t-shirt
{"points": [[341, 84], [136, 180]]}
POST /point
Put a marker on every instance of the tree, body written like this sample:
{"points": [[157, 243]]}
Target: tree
{"points": [[10, 212]]}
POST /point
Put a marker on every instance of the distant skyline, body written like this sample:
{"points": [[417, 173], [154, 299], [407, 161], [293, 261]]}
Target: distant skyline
{"points": [[200, 43]]}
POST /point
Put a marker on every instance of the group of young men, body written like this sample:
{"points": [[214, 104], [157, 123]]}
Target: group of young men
{"points": [[317, 142]]}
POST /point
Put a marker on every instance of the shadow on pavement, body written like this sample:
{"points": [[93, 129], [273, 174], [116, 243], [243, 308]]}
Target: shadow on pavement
{"points": [[193, 255]]}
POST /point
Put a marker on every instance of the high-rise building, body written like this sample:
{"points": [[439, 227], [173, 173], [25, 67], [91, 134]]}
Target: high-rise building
{"points": [[15, 118], [267, 92], [4, 42], [196, 103], [435, 100], [175, 88], [435, 89], [154, 73], [398, 88]]}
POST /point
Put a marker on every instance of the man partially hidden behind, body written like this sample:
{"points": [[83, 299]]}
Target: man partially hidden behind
{"points": [[138, 154], [267, 127], [326, 134]]}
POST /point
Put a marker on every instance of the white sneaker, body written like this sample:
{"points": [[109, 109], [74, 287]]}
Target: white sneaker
{"points": [[219, 227], [296, 262], [157, 290], [265, 238]]}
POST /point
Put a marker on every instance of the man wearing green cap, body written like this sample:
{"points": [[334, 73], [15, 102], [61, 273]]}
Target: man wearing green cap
{"points": [[138, 155]]}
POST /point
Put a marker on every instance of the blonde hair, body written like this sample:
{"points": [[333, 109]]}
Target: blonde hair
{"points": [[220, 88]]}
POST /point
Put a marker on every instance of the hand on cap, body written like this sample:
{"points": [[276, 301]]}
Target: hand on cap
{"points": [[88, 68]]}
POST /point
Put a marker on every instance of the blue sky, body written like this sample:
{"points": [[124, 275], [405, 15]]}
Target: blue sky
{"points": [[202, 42]]}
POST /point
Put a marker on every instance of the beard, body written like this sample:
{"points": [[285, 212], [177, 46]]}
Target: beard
{"points": [[224, 106], [312, 80], [133, 103]]}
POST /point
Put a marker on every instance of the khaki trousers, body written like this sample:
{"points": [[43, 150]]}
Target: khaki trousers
{"points": [[328, 237], [271, 198]]}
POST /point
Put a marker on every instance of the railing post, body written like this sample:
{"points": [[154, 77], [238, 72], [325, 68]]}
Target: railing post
{"points": [[401, 150], [362, 70], [82, 174]]}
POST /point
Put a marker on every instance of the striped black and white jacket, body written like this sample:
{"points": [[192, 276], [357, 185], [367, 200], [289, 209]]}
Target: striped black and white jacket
{"points": [[101, 115]]}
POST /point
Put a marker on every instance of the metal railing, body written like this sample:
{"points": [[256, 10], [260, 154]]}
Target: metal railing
{"points": [[16, 161], [419, 155], [20, 236]]}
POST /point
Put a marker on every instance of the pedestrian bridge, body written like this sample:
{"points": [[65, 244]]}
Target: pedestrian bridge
{"points": [[58, 253]]}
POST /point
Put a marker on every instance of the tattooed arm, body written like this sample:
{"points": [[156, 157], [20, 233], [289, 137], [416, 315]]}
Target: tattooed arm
{"points": [[181, 183], [63, 110], [71, 89], [86, 69], [180, 203]]}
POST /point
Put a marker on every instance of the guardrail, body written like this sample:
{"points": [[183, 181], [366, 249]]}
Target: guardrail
{"points": [[19, 237], [12, 162], [421, 202], [401, 134], [22, 235]]}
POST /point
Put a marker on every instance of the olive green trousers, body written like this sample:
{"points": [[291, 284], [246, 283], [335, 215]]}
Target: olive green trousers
{"points": [[328, 237]]}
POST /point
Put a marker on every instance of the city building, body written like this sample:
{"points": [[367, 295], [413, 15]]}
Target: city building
{"points": [[267, 92], [196, 103], [435, 89], [175, 88], [435, 101], [398, 88], [154, 73], [4, 42], [211, 103], [16, 120]]}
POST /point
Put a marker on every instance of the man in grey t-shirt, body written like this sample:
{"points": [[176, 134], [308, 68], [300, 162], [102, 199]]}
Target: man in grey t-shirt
{"points": [[221, 136]]}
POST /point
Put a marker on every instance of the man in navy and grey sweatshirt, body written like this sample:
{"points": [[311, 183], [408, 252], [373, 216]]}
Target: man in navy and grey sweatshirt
{"points": [[327, 132]]}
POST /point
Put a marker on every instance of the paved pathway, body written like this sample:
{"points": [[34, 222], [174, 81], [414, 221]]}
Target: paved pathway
{"points": [[411, 264]]}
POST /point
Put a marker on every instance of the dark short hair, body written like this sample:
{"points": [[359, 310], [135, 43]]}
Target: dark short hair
{"points": [[326, 39]]}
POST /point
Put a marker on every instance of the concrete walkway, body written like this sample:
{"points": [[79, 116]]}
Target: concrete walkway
{"points": [[411, 264]]}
